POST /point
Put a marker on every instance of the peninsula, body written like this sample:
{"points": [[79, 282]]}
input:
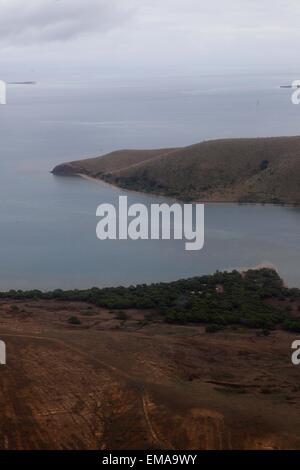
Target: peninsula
{"points": [[257, 170]]}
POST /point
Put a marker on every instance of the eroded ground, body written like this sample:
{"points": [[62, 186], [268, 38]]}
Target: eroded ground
{"points": [[116, 381]]}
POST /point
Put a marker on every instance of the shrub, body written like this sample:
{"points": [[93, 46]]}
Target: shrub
{"points": [[264, 164], [14, 308], [74, 320], [122, 316], [213, 328]]}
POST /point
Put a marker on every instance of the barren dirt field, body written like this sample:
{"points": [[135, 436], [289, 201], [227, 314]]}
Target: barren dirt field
{"points": [[122, 382]]}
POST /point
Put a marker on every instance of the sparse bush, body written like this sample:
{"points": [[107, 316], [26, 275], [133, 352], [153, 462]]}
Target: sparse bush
{"points": [[243, 303], [264, 164], [88, 313], [74, 320], [213, 328], [122, 316], [264, 332]]}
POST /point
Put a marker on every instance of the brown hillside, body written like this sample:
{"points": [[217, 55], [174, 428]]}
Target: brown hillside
{"points": [[237, 170], [114, 385]]}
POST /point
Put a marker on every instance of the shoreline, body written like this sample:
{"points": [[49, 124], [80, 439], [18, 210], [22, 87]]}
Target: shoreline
{"points": [[101, 181], [205, 172]]}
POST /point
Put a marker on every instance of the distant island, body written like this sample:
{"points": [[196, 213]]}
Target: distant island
{"points": [[250, 170], [22, 83]]}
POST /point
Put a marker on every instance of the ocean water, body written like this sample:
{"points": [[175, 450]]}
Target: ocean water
{"points": [[48, 224]]}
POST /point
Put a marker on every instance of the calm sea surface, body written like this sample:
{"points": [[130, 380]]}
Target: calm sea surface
{"points": [[47, 223]]}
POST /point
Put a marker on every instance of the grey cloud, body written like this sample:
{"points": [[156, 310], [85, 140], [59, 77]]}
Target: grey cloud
{"points": [[149, 37], [32, 21]]}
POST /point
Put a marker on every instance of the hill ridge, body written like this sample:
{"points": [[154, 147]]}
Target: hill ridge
{"points": [[258, 170]]}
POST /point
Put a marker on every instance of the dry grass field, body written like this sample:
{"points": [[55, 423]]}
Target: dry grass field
{"points": [[119, 382]]}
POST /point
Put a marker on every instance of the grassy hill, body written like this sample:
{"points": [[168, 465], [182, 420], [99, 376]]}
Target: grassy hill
{"points": [[231, 170]]}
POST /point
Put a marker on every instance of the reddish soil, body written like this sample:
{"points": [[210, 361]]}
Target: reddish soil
{"points": [[110, 383]]}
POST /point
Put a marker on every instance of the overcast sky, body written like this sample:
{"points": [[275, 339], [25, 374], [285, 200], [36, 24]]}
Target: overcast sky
{"points": [[71, 38]]}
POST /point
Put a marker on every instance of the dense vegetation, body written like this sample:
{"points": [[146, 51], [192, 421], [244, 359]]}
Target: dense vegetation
{"points": [[263, 170], [255, 299]]}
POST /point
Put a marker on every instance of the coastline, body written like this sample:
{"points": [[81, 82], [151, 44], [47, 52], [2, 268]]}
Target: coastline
{"points": [[202, 201], [237, 170]]}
